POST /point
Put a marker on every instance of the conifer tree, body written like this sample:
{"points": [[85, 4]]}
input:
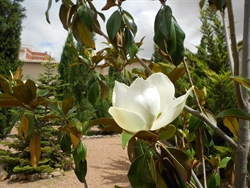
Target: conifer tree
{"points": [[11, 16]]}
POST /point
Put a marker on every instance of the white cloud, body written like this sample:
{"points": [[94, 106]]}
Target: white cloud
{"points": [[51, 37]]}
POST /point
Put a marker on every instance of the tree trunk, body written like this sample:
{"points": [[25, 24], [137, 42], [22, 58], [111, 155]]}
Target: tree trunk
{"points": [[241, 152]]}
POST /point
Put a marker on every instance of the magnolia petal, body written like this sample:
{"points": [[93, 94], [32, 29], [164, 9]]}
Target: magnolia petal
{"points": [[119, 92], [143, 99], [128, 120], [171, 111], [164, 86]]}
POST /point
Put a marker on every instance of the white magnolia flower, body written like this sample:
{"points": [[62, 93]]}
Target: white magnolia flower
{"points": [[147, 104]]}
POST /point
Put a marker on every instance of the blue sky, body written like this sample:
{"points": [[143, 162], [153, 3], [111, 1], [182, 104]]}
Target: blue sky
{"points": [[51, 37]]}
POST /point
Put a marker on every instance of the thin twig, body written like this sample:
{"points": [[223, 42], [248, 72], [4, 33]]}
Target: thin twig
{"points": [[200, 128], [198, 183], [204, 118], [144, 65]]}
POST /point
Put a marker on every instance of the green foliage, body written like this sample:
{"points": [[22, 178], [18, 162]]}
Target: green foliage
{"points": [[11, 16]]}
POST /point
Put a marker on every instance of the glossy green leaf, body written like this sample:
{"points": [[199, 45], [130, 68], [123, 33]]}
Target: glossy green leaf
{"points": [[167, 132], [214, 180], [65, 143], [241, 80], [158, 36], [175, 44], [125, 136], [67, 104], [146, 135], [32, 87], [166, 22], [63, 16], [234, 112], [113, 24], [180, 161], [81, 171], [102, 121], [130, 45], [82, 34], [8, 101], [220, 4], [56, 109], [129, 21], [86, 15], [22, 93], [6, 87], [224, 161], [93, 93], [194, 123], [139, 173], [112, 128]]}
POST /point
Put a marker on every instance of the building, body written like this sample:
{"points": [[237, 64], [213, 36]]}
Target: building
{"points": [[32, 61]]}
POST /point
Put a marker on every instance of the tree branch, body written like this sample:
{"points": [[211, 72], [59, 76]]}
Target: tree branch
{"points": [[223, 135]]}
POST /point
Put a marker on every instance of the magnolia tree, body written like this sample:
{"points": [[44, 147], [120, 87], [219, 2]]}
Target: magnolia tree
{"points": [[164, 137]]}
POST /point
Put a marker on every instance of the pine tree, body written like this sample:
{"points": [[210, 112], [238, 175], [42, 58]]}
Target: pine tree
{"points": [[67, 58], [11, 16]]}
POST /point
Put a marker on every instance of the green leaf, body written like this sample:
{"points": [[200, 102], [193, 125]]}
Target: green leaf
{"points": [[8, 101], [47, 11], [56, 109], [126, 136], [6, 87], [139, 173], [81, 171], [166, 22], [113, 24], [167, 132], [102, 121], [129, 21], [32, 87], [67, 104], [214, 180], [220, 4], [22, 93], [158, 36], [130, 45], [86, 15], [63, 12], [224, 161], [82, 34], [234, 112], [42, 92], [175, 43], [194, 123], [65, 143], [241, 80], [93, 93]]}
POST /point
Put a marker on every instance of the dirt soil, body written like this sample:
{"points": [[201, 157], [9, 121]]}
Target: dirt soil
{"points": [[108, 166]]}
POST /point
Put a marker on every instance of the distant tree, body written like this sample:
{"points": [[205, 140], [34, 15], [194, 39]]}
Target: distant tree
{"points": [[67, 58], [11, 16], [156, 56]]}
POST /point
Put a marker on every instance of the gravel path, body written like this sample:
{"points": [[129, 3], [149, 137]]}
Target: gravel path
{"points": [[108, 165]]}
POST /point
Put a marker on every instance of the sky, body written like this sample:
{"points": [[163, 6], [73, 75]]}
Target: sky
{"points": [[51, 38]]}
